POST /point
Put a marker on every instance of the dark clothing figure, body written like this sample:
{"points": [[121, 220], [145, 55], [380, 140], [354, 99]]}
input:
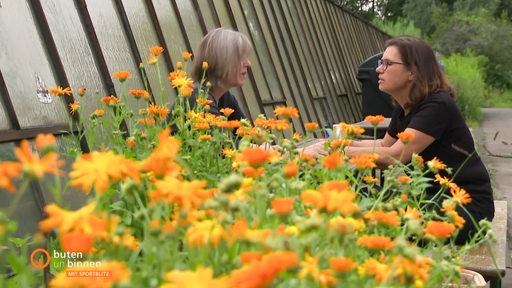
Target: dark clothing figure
{"points": [[439, 117]]}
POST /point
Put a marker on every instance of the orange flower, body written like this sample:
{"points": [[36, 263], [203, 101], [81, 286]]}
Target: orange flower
{"points": [[253, 172], [147, 121], [96, 169], [158, 111], [439, 229], [404, 179], [130, 142], [202, 277], [161, 161], [277, 124], [313, 198], [282, 205], [156, 50], [291, 169], [139, 93], [205, 137], [460, 195], [122, 75], [227, 111], [233, 124], [110, 100], [342, 264], [186, 56], [77, 242], [286, 112], [411, 213], [311, 126], [8, 172], [262, 273], [375, 120], [254, 156], [59, 91], [35, 166], [340, 142], [185, 194], [99, 112], [405, 137], [374, 267], [204, 65], [73, 107], [82, 91], [250, 256], [176, 74], [389, 218], [376, 242], [45, 140], [364, 160], [351, 130], [207, 102], [435, 165], [333, 160], [453, 215], [370, 179]]}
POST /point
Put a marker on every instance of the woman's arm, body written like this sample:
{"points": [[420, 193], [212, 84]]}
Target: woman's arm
{"points": [[391, 150]]}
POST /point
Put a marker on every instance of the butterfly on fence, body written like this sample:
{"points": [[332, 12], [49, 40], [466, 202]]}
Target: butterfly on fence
{"points": [[42, 91]]}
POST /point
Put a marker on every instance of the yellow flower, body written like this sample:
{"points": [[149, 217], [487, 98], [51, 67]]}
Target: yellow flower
{"points": [[206, 232]]}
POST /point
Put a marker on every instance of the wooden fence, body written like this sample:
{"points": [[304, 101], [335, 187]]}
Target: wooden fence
{"points": [[306, 55]]}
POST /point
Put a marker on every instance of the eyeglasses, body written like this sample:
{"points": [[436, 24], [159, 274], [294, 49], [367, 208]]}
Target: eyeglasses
{"points": [[385, 63]]}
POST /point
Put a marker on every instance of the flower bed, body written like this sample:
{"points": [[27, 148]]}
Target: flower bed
{"points": [[199, 209]]}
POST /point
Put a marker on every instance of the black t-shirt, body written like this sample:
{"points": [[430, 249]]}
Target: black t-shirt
{"points": [[439, 117]]}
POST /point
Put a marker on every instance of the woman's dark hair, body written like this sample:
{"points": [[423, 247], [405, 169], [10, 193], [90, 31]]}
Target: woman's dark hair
{"points": [[420, 58]]}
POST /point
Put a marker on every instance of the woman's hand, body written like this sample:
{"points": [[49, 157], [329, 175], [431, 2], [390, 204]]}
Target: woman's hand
{"points": [[316, 148]]}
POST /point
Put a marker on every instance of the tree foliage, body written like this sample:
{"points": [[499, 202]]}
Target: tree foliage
{"points": [[451, 26]]}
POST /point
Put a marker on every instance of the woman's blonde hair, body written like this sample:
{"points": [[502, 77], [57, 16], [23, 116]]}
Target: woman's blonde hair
{"points": [[223, 50]]}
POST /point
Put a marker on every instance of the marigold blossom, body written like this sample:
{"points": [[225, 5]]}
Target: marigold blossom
{"points": [[282, 206], [376, 242], [122, 75], [375, 119], [286, 112], [405, 137], [156, 50], [311, 126], [439, 229]]}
